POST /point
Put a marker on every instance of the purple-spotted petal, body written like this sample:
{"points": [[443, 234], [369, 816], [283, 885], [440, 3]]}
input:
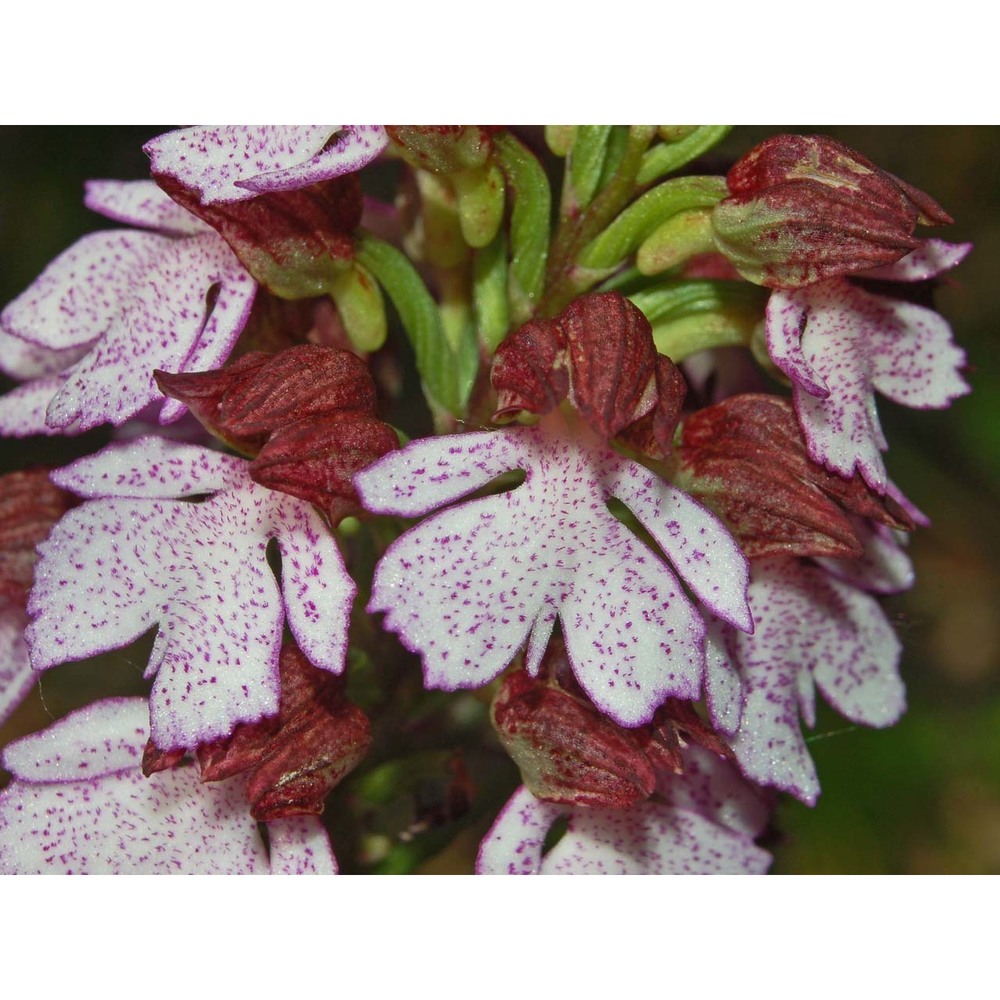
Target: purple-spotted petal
{"points": [[840, 339], [426, 475], [300, 846], [143, 204], [131, 559], [80, 804], [160, 326], [811, 628], [114, 307], [715, 789], [723, 691], [80, 295], [16, 678], [151, 468], [931, 259], [470, 586], [21, 359], [514, 844], [694, 540], [883, 567], [237, 162], [705, 826], [22, 410], [101, 739]]}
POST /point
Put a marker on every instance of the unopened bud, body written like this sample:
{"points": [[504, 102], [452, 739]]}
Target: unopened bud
{"points": [[480, 203], [804, 209], [443, 149]]}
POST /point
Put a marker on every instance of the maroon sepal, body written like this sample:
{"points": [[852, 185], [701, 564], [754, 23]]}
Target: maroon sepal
{"points": [[599, 354], [306, 413], [443, 149], [154, 759], [566, 750], [294, 243], [806, 208], [570, 753], [29, 505], [316, 460], [675, 726], [746, 458], [293, 760]]}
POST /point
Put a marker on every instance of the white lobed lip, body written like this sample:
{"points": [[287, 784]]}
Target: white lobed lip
{"points": [[229, 163]]}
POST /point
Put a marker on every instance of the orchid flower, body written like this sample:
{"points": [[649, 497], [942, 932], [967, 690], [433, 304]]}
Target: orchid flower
{"points": [[468, 587], [132, 557], [79, 804], [839, 344], [815, 627], [703, 824], [117, 305], [236, 162]]}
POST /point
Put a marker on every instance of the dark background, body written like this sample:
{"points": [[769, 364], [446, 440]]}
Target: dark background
{"points": [[922, 797]]}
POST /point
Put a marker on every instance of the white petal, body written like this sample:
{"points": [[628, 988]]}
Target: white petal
{"points": [[695, 541], [431, 472], [714, 788], [300, 846], [101, 739], [152, 468], [22, 410], [80, 804], [144, 204], [80, 294], [116, 566], [162, 316], [236, 162], [931, 259], [652, 838], [469, 585], [514, 844]]}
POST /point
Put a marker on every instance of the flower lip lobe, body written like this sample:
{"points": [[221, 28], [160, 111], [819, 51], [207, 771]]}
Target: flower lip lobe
{"points": [[135, 556], [79, 804], [118, 304], [471, 585], [238, 162]]}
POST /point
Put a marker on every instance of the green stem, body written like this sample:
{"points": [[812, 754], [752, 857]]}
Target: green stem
{"points": [[563, 280], [448, 371]]}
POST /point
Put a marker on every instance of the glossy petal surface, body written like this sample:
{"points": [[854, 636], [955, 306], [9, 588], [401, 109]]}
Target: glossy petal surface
{"points": [[470, 586], [80, 805], [130, 559], [236, 162]]}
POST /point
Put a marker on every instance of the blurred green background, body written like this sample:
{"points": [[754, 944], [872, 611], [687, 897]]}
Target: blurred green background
{"points": [[922, 797]]}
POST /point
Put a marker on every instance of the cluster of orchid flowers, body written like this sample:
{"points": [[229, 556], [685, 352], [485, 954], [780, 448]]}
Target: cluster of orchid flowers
{"points": [[634, 516]]}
